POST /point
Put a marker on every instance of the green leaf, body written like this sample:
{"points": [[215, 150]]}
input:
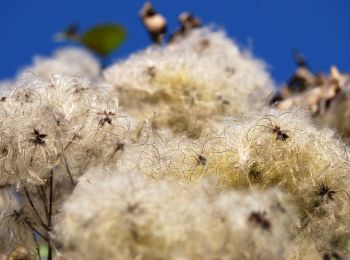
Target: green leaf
{"points": [[103, 39]]}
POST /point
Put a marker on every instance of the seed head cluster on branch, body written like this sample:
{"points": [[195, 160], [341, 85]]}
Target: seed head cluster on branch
{"points": [[180, 151]]}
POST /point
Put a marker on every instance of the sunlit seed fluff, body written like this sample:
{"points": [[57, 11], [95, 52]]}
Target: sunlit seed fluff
{"points": [[313, 165], [16, 237], [264, 150], [57, 117], [135, 217], [52, 128], [55, 125], [205, 74], [65, 62]]}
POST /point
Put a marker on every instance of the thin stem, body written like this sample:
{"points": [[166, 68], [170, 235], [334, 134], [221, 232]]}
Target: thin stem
{"points": [[42, 195], [71, 141], [49, 254], [35, 230], [34, 208], [68, 171], [49, 222], [50, 198]]}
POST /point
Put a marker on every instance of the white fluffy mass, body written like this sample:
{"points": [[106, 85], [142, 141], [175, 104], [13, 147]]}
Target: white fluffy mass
{"points": [[73, 62], [168, 154], [190, 85], [128, 216]]}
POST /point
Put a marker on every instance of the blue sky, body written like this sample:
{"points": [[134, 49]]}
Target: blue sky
{"points": [[272, 28]]}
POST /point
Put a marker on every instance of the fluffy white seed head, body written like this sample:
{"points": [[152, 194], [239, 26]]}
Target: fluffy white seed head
{"points": [[49, 124], [190, 85], [264, 150], [72, 62], [136, 217]]}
